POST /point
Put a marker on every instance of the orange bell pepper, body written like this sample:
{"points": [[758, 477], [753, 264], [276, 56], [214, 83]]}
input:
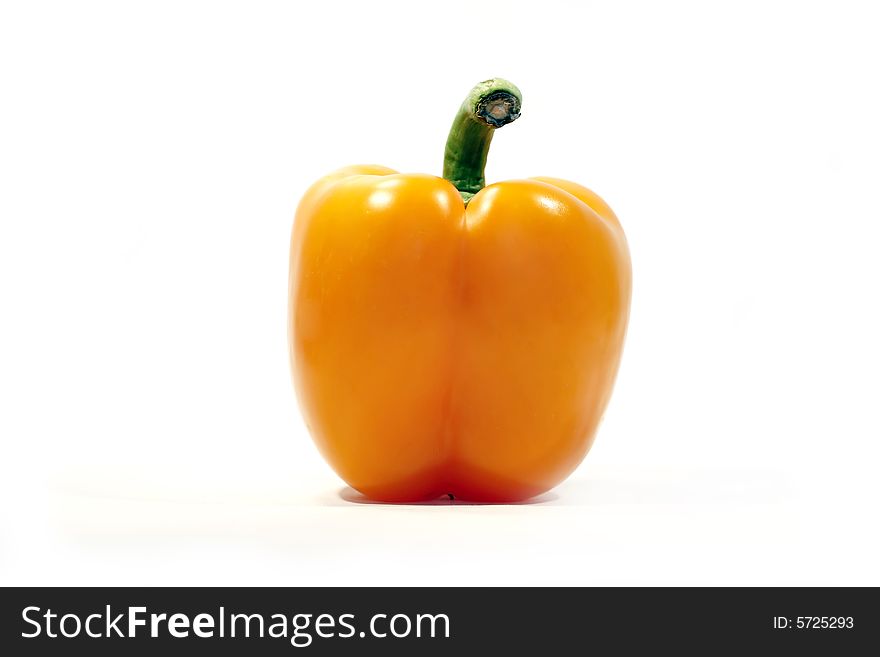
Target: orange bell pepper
{"points": [[449, 337]]}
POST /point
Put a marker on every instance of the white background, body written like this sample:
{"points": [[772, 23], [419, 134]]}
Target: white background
{"points": [[152, 156]]}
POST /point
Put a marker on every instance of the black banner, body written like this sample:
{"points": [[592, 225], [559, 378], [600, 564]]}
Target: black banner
{"points": [[435, 621]]}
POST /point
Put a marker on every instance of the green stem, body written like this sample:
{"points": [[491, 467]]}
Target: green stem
{"points": [[489, 105]]}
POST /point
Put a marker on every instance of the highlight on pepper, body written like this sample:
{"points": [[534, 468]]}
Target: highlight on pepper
{"points": [[449, 337]]}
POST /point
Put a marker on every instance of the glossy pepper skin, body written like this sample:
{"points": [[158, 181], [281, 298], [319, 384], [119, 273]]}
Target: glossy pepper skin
{"points": [[443, 347]]}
